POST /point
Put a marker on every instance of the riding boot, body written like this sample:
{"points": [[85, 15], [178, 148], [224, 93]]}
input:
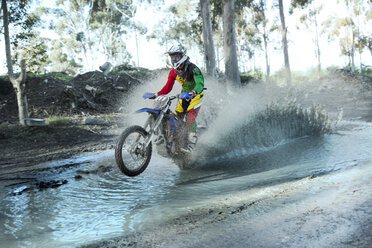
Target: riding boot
{"points": [[192, 139]]}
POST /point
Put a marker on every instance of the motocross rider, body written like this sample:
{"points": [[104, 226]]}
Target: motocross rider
{"points": [[192, 82]]}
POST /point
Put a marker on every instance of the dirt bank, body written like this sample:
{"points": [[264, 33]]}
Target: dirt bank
{"points": [[65, 103], [23, 147]]}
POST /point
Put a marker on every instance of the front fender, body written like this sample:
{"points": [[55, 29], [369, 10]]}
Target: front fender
{"points": [[148, 110]]}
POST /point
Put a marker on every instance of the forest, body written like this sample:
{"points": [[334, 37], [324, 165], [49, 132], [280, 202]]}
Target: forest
{"points": [[231, 36], [82, 29]]}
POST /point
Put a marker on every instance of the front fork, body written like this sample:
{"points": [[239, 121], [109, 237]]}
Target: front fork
{"points": [[154, 125]]}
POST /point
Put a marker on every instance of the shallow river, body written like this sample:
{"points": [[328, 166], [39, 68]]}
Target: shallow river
{"points": [[104, 203]]}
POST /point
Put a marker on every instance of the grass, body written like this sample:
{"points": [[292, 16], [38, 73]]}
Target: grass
{"points": [[57, 120], [60, 75]]}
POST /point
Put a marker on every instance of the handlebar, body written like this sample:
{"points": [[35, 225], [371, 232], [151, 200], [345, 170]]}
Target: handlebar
{"points": [[171, 97]]}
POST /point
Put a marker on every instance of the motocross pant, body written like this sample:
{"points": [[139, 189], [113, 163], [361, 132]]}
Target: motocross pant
{"points": [[190, 107]]}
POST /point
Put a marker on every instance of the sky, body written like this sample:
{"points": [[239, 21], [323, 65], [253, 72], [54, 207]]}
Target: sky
{"points": [[301, 48]]}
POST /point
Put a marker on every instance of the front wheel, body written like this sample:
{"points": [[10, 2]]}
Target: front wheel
{"points": [[131, 155]]}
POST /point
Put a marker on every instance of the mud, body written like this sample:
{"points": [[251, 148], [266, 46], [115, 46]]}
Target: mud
{"points": [[24, 147]]}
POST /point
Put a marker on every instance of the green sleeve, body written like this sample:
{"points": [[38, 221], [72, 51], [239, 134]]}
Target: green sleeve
{"points": [[199, 80]]}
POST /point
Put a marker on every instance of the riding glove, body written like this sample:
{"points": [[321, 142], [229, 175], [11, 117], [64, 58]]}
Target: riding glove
{"points": [[150, 95]]}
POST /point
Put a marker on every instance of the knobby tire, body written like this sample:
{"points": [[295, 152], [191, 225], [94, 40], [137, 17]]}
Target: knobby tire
{"points": [[118, 151]]}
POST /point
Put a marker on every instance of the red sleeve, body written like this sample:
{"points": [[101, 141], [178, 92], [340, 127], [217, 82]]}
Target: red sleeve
{"points": [[169, 85]]}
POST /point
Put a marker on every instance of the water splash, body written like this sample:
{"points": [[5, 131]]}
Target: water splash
{"points": [[255, 118], [275, 125]]}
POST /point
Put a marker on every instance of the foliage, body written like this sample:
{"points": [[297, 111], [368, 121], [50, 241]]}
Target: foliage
{"points": [[85, 28], [22, 22], [366, 70], [349, 29], [299, 4], [57, 120], [34, 52], [60, 61], [255, 75], [88, 26], [178, 26], [20, 17]]}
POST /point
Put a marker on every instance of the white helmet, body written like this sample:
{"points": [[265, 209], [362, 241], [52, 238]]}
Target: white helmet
{"points": [[178, 55]]}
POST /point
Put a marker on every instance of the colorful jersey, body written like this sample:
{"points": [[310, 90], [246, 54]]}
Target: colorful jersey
{"points": [[193, 80]]}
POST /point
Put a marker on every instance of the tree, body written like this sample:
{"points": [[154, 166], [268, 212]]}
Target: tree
{"points": [[209, 53], [285, 43], [178, 27], [60, 61], [310, 20], [231, 61], [18, 83], [34, 52], [265, 36], [88, 26], [256, 33], [351, 29], [111, 20]]}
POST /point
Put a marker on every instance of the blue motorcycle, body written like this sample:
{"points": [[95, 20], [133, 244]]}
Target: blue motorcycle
{"points": [[169, 133]]}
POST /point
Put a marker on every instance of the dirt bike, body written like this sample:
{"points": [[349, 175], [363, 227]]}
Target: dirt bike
{"points": [[134, 148]]}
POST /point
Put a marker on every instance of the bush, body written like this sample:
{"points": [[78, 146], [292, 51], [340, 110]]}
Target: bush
{"points": [[254, 76]]}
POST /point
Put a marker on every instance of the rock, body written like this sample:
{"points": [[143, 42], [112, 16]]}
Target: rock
{"points": [[90, 88], [119, 88], [106, 68], [78, 177], [50, 184], [32, 122]]}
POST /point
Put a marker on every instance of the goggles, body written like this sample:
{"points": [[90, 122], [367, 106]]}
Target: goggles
{"points": [[175, 58]]}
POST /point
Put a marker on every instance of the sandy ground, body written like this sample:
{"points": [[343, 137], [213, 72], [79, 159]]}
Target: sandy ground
{"points": [[333, 210]]}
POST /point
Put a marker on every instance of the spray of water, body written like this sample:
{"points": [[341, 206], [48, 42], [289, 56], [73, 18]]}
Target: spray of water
{"points": [[134, 100], [254, 119], [241, 122]]}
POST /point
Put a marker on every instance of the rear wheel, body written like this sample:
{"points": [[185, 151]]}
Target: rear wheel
{"points": [[131, 155]]}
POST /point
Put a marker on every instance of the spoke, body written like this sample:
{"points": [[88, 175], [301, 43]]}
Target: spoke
{"points": [[133, 149]]}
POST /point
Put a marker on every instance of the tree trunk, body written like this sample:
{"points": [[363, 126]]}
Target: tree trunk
{"points": [[229, 44], [137, 52], [317, 44], [19, 87], [18, 83], [352, 49], [266, 58], [218, 58], [7, 39], [285, 44], [209, 53]]}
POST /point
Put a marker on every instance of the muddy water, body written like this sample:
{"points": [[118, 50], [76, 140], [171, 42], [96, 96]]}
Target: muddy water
{"points": [[98, 202], [257, 151]]}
